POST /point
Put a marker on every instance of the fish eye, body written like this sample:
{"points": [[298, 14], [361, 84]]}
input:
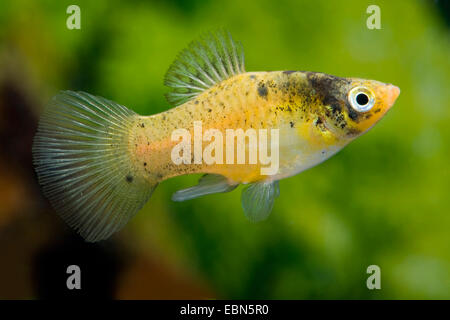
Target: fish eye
{"points": [[361, 99]]}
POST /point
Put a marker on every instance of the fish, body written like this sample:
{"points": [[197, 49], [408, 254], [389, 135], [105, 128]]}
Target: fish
{"points": [[98, 162]]}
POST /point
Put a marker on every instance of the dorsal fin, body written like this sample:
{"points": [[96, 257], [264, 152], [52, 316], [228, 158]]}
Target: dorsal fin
{"points": [[204, 63]]}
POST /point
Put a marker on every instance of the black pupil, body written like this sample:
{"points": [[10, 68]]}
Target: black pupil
{"points": [[362, 99]]}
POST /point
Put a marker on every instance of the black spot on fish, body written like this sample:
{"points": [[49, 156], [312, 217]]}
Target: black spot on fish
{"points": [[353, 132], [352, 114], [288, 72], [329, 90], [209, 110], [196, 102], [262, 90], [142, 125], [129, 178], [335, 107], [145, 163], [292, 124]]}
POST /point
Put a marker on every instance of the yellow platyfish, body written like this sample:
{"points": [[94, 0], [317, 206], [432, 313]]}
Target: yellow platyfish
{"points": [[99, 162]]}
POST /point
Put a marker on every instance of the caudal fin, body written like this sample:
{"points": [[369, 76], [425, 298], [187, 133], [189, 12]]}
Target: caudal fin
{"points": [[82, 160]]}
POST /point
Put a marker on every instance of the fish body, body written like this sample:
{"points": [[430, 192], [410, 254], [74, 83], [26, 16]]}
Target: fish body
{"points": [[99, 162], [286, 100]]}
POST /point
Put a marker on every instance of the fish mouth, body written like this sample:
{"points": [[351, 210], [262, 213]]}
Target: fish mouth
{"points": [[392, 93]]}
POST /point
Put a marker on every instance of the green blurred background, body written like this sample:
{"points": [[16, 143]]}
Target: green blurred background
{"points": [[383, 200]]}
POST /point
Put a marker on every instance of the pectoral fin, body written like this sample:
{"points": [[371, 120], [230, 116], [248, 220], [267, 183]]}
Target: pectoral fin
{"points": [[258, 199], [208, 184]]}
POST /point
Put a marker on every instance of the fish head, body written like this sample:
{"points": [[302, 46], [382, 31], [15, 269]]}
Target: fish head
{"points": [[349, 107], [367, 101]]}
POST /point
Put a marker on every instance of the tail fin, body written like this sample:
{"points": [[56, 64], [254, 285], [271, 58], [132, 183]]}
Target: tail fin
{"points": [[81, 157]]}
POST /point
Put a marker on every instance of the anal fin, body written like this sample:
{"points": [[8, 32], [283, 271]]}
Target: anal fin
{"points": [[208, 184]]}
